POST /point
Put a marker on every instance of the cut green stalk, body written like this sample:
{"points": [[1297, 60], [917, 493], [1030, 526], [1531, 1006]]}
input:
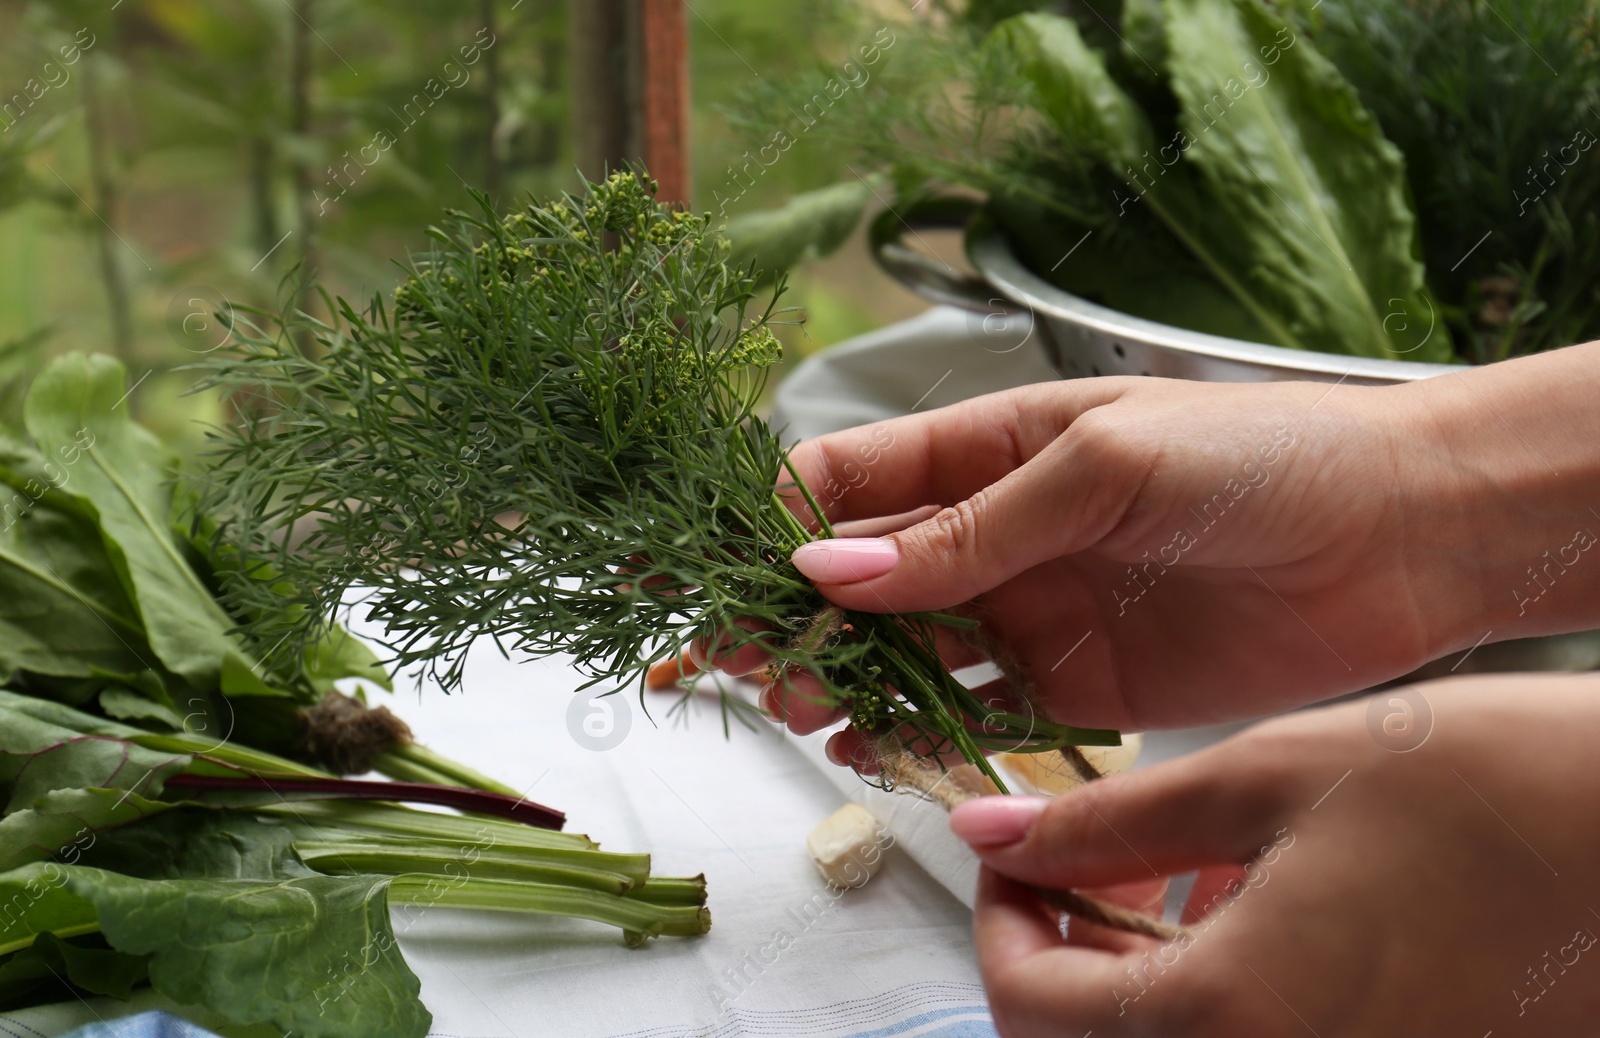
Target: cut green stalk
{"points": [[637, 919], [338, 851], [395, 820], [416, 763], [669, 891], [352, 857]]}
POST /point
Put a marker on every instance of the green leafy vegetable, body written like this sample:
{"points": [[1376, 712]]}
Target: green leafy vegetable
{"points": [[1305, 180], [125, 479], [64, 613]]}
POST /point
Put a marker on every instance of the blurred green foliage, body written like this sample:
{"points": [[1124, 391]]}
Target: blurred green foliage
{"points": [[162, 160]]}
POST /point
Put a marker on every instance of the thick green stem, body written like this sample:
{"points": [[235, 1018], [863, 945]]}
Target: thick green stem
{"points": [[394, 820], [233, 755], [412, 760], [638, 919], [391, 853], [463, 864], [668, 891]]}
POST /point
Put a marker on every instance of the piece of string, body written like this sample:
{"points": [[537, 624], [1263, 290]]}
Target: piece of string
{"points": [[908, 772]]}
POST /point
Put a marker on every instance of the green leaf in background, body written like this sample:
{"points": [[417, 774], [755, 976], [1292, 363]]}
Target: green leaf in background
{"points": [[62, 611], [810, 224], [340, 655], [1308, 184], [1076, 92], [125, 476]]}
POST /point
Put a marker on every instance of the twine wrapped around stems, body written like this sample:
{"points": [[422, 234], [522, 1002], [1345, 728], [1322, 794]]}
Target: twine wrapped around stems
{"points": [[909, 772]]}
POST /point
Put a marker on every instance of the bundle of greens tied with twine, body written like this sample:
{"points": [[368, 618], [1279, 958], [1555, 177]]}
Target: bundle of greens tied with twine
{"points": [[549, 438]]}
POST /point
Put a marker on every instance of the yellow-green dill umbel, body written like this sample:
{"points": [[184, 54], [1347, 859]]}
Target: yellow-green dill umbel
{"points": [[550, 439]]}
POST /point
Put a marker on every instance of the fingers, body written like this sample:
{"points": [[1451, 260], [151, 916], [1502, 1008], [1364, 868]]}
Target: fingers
{"points": [[1210, 808], [1147, 896], [885, 525], [721, 652], [1212, 888], [853, 748], [799, 699], [849, 748], [1039, 986], [1063, 499], [937, 457]]}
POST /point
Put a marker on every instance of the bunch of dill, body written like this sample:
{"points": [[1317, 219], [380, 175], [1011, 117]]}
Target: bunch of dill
{"points": [[549, 439]]}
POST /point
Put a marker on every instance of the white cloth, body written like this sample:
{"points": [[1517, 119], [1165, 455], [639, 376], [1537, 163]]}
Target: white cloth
{"points": [[933, 359]]}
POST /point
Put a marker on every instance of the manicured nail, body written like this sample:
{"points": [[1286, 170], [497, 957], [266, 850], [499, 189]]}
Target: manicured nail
{"points": [[996, 821], [846, 560]]}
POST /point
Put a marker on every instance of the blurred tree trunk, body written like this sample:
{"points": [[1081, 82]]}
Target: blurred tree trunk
{"points": [[597, 35], [264, 213], [630, 89], [107, 207], [492, 166], [300, 90], [662, 95], [546, 147]]}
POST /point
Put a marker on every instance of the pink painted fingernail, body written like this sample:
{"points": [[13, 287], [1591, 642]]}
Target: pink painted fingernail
{"points": [[846, 560], [996, 821]]}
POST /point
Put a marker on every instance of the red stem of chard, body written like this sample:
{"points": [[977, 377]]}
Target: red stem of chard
{"points": [[476, 801]]}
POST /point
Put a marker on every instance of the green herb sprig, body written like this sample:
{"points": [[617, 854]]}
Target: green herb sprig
{"points": [[550, 440]]}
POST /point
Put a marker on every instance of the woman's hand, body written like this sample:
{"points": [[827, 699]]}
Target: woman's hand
{"points": [[1147, 553], [1450, 890]]}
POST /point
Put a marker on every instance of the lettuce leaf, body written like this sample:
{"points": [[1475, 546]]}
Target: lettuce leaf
{"points": [[1306, 180]]}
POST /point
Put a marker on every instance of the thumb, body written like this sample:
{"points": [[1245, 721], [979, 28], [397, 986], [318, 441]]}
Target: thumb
{"points": [[1063, 500], [1201, 810]]}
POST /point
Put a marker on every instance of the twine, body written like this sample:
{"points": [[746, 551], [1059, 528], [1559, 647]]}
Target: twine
{"points": [[908, 772]]}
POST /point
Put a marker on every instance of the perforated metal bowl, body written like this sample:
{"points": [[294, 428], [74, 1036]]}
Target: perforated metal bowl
{"points": [[1083, 338]]}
